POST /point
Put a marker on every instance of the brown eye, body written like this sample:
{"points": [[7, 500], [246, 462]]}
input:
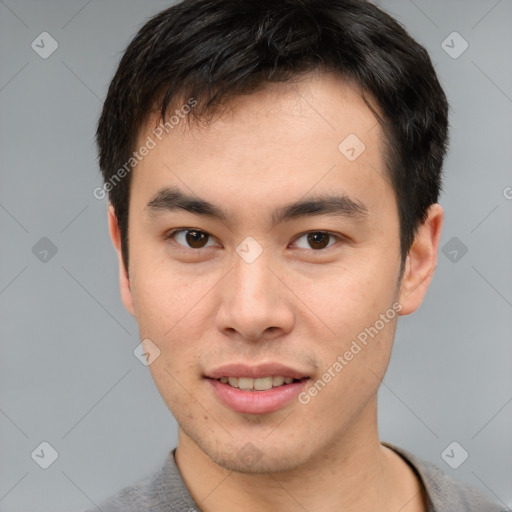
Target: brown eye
{"points": [[191, 238], [317, 240], [196, 239]]}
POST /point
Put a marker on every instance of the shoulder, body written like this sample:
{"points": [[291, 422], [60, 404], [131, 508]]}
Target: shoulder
{"points": [[446, 494], [162, 491]]}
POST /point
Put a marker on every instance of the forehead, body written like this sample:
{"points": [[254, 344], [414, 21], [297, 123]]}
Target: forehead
{"points": [[287, 139], [323, 102]]}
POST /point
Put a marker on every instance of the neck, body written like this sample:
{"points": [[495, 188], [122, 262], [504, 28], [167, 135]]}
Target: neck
{"points": [[354, 474]]}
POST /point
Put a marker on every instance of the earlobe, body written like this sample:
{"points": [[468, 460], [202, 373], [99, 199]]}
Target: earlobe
{"points": [[421, 261], [124, 282]]}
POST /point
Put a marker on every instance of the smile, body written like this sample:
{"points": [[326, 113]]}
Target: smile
{"points": [[260, 384]]}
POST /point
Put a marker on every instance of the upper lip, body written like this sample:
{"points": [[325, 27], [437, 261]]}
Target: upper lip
{"points": [[255, 371]]}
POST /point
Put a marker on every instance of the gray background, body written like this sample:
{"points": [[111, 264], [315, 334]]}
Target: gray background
{"points": [[68, 375]]}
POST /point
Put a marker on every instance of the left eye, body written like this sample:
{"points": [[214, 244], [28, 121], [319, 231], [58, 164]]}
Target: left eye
{"points": [[317, 240]]}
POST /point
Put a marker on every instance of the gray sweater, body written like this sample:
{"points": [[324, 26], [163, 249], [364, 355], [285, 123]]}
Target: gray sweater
{"points": [[165, 491]]}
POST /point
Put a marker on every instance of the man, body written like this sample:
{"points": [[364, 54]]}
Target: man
{"points": [[273, 171]]}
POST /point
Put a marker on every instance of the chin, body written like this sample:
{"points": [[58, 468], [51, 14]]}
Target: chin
{"points": [[257, 462], [251, 456]]}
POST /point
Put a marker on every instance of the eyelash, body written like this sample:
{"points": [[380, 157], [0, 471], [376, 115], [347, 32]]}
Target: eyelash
{"points": [[170, 236]]}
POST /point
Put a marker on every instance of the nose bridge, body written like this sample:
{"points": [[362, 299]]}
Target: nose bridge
{"points": [[252, 279], [254, 300]]}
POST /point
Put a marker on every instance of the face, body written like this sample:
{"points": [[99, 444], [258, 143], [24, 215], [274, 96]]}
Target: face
{"points": [[230, 282]]}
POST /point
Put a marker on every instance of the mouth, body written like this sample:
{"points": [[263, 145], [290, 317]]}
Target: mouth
{"points": [[259, 384], [259, 389]]}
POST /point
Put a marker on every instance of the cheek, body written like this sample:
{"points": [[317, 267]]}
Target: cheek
{"points": [[165, 295], [172, 381], [350, 296], [170, 311], [350, 375], [355, 351]]}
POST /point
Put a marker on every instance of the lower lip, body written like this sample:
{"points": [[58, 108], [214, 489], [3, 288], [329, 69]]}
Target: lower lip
{"points": [[257, 402]]}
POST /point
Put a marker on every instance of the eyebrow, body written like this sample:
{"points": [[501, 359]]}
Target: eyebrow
{"points": [[170, 199]]}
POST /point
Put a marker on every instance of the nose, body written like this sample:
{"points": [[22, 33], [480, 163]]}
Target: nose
{"points": [[256, 303]]}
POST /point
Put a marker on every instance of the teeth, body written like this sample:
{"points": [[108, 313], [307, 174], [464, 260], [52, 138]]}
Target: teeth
{"points": [[277, 381], [245, 383], [260, 384], [263, 384]]}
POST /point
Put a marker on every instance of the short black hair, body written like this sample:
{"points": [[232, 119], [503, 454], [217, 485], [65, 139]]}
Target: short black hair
{"points": [[213, 50]]}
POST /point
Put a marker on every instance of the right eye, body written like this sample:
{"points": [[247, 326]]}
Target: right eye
{"points": [[190, 238]]}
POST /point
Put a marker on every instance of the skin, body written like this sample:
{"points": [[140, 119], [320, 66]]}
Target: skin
{"points": [[294, 304]]}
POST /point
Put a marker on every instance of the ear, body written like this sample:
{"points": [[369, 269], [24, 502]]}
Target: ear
{"points": [[421, 261], [124, 282]]}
